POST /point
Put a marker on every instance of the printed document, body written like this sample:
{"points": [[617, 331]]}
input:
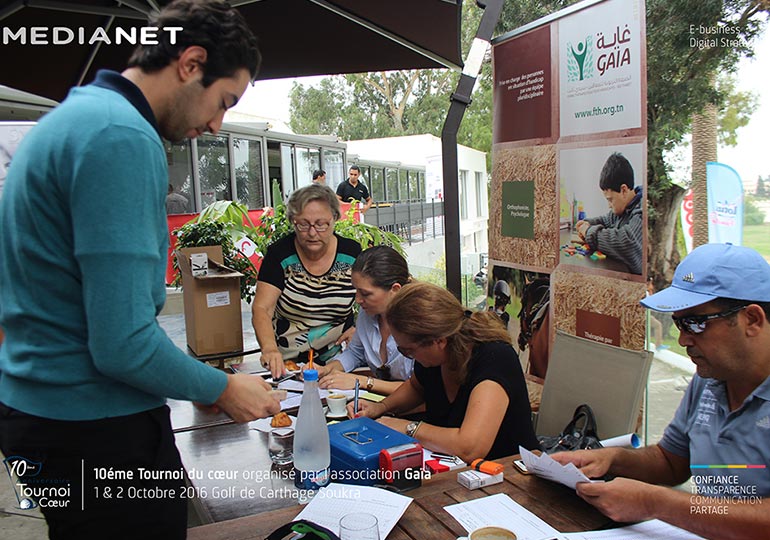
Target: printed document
{"points": [[336, 500], [545, 467], [501, 511]]}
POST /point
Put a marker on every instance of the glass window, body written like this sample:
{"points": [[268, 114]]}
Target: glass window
{"points": [[463, 194], [334, 165], [365, 177], [378, 184], [391, 184], [414, 186], [247, 158], [403, 185], [181, 197], [421, 182], [481, 195], [287, 170], [213, 169], [308, 160]]}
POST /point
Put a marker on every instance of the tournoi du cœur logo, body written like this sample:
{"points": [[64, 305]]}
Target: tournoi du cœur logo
{"points": [[31, 490]]}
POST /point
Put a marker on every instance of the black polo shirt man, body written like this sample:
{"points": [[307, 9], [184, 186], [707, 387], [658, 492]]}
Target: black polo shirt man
{"points": [[353, 189]]}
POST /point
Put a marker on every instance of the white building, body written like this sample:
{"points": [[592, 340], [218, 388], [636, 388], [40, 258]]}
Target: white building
{"points": [[424, 152]]}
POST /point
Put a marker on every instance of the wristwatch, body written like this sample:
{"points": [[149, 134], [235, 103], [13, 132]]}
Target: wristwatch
{"points": [[412, 427], [369, 384]]}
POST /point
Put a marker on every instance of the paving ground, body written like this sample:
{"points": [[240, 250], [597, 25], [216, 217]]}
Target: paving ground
{"points": [[666, 387]]}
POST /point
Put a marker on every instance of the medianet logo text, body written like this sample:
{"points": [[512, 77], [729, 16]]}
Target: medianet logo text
{"points": [[63, 35]]}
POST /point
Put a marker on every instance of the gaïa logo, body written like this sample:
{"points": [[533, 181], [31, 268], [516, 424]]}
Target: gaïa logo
{"points": [[580, 60], [614, 54]]}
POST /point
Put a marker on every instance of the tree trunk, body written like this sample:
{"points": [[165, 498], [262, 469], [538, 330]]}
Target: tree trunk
{"points": [[662, 254], [704, 149]]}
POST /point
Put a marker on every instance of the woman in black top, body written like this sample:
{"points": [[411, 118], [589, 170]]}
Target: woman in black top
{"points": [[466, 373]]}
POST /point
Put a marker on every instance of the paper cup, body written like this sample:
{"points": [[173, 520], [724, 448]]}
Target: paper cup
{"points": [[492, 533], [337, 404]]}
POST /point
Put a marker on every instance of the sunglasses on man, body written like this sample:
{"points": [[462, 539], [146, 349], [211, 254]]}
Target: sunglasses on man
{"points": [[696, 324]]}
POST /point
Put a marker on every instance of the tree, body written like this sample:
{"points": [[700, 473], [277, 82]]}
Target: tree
{"points": [[735, 111], [380, 104], [680, 84], [761, 191]]}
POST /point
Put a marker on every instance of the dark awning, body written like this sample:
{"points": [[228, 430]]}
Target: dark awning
{"points": [[297, 38]]}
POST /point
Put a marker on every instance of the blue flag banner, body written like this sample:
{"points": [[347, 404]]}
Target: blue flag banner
{"points": [[725, 204]]}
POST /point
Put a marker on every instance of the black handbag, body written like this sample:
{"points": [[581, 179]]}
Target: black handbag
{"points": [[579, 434], [309, 529]]}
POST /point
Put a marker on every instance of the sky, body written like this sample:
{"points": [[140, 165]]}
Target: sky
{"points": [[750, 158], [270, 99]]}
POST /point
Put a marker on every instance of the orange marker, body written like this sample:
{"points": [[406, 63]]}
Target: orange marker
{"points": [[310, 358], [489, 467]]}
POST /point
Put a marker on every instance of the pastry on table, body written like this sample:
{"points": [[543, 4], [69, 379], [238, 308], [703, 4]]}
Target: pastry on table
{"points": [[280, 420], [291, 365]]}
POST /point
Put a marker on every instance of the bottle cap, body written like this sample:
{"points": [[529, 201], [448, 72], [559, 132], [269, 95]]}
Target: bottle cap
{"points": [[310, 375]]}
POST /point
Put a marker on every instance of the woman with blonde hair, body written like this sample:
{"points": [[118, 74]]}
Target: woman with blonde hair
{"points": [[466, 374]]}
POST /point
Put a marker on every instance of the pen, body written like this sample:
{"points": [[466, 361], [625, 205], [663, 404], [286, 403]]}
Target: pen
{"points": [[310, 357], [445, 457], [355, 398]]}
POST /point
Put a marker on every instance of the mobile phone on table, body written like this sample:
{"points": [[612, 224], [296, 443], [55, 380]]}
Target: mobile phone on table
{"points": [[519, 464]]}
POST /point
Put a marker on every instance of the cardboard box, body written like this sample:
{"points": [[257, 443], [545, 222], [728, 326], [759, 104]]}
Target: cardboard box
{"points": [[212, 304]]}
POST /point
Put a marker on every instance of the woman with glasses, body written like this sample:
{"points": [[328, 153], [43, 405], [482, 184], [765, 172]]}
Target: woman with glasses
{"points": [[466, 374], [304, 294], [378, 274]]}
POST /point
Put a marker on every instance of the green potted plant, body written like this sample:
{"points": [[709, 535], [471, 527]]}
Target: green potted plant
{"points": [[226, 222], [208, 232]]}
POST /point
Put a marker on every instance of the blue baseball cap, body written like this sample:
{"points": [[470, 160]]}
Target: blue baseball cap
{"points": [[715, 271]]}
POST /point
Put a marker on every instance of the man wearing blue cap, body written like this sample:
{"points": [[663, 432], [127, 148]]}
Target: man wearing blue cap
{"points": [[720, 300]]}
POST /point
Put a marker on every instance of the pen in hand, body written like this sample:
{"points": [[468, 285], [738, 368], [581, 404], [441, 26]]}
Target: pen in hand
{"points": [[355, 398]]}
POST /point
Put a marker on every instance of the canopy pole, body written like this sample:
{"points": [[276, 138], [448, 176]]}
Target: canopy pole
{"points": [[460, 100]]}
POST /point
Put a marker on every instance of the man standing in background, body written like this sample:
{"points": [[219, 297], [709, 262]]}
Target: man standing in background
{"points": [[319, 177], [355, 190]]}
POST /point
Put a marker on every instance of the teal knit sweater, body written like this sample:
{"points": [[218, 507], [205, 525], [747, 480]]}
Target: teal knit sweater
{"points": [[83, 243]]}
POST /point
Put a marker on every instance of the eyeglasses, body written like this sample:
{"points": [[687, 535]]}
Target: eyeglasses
{"points": [[409, 353], [305, 227], [696, 324]]}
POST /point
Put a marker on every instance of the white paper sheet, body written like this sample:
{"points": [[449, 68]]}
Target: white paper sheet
{"points": [[298, 386], [545, 467], [647, 530], [292, 401], [336, 500], [502, 511]]}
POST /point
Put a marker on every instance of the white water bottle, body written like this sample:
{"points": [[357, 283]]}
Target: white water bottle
{"points": [[311, 438]]}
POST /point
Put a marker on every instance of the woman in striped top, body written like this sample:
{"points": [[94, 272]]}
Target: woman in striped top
{"points": [[304, 292]]}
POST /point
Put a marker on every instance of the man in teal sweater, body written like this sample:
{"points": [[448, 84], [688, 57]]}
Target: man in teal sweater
{"points": [[85, 368]]}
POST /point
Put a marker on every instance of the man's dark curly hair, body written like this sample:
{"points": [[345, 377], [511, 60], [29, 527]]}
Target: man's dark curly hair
{"points": [[211, 24]]}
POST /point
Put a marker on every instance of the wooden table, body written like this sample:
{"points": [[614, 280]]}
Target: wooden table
{"points": [[426, 519], [241, 495], [229, 468]]}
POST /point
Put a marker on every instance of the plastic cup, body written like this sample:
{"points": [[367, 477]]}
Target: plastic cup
{"points": [[280, 445], [359, 526]]}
